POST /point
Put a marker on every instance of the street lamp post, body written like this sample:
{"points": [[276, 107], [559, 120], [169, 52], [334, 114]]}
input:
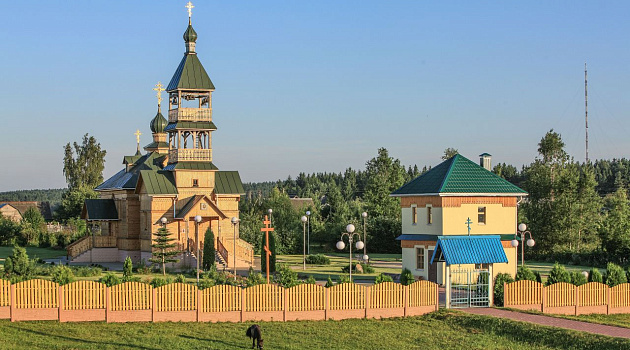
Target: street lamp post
{"points": [[341, 245], [365, 256], [235, 221], [308, 232], [522, 232], [197, 221], [269, 211], [304, 219]]}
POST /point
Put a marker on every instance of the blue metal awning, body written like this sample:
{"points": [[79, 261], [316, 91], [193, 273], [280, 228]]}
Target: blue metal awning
{"points": [[455, 250]]}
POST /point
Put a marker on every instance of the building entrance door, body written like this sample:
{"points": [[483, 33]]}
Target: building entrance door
{"points": [[432, 269]]}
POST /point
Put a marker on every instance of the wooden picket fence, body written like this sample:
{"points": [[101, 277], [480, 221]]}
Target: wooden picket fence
{"points": [[565, 298], [134, 301]]}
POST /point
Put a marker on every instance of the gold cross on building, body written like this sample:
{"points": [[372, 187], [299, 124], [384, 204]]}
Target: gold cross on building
{"points": [[138, 133], [189, 6], [159, 88]]}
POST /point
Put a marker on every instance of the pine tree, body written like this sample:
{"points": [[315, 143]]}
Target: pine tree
{"points": [[163, 249], [208, 250]]}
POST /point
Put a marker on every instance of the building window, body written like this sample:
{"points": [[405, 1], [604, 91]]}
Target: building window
{"points": [[481, 216], [429, 215], [195, 183], [482, 266], [419, 258], [414, 214]]}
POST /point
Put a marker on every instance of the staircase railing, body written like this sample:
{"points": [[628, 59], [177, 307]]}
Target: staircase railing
{"points": [[244, 251], [88, 242], [222, 251]]}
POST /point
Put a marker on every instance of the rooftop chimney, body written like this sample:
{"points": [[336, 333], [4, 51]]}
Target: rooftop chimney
{"points": [[485, 160]]}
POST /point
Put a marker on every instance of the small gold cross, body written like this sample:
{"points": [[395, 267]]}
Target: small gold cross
{"points": [[138, 133], [159, 89], [189, 6]]}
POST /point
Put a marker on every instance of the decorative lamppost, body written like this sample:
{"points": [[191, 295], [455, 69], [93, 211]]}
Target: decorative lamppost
{"points": [[269, 211], [163, 221], [530, 242], [341, 245], [304, 220], [308, 232], [365, 256], [235, 222], [197, 221]]}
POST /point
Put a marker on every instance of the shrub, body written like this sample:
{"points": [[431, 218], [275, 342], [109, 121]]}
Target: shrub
{"points": [[344, 279], [86, 271], [110, 279], [577, 278], [628, 274], [525, 274], [206, 282], [286, 277], [383, 278], [329, 282], [364, 267], [499, 281], [142, 268], [180, 279], [62, 274], [615, 275], [595, 276], [160, 281], [318, 259], [406, 277], [127, 269], [20, 267], [558, 274], [310, 280], [254, 278]]}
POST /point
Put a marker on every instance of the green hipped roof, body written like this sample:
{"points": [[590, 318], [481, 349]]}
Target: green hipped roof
{"points": [[228, 182], [458, 175], [191, 166], [99, 209], [158, 182], [154, 145], [191, 125], [191, 75]]}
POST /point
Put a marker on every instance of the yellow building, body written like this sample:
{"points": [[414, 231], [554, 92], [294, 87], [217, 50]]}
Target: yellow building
{"points": [[436, 208], [174, 182]]}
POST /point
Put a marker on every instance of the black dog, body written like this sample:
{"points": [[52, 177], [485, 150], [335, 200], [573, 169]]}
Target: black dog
{"points": [[256, 335]]}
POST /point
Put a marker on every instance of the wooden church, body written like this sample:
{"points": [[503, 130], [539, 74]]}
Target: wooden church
{"points": [[171, 184]]}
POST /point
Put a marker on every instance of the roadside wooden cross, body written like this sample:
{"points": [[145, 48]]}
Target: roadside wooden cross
{"points": [[266, 230], [468, 222]]}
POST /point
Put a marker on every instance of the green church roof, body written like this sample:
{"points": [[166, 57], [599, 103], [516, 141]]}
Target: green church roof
{"points": [[458, 175], [158, 182], [190, 125], [228, 182], [191, 75]]}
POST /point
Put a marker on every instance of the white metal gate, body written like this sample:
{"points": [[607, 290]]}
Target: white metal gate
{"points": [[469, 288]]}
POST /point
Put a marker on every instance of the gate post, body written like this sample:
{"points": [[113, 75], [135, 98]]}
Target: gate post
{"points": [[448, 286], [491, 285]]}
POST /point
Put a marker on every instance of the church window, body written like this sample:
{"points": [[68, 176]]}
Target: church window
{"points": [[195, 182], [481, 215], [419, 258], [429, 215]]}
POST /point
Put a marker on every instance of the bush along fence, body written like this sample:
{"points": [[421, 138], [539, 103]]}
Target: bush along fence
{"points": [[138, 302], [567, 299]]}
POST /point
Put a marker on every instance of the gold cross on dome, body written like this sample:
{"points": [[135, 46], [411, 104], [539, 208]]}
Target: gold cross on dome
{"points": [[189, 6], [158, 87], [138, 133]]}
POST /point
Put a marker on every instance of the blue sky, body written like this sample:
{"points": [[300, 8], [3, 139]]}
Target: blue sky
{"points": [[316, 86]]}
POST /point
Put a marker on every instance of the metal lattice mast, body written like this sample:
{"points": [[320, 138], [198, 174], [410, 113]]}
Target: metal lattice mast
{"points": [[586, 108]]}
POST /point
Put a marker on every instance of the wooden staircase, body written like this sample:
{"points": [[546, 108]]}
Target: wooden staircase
{"points": [[244, 252]]}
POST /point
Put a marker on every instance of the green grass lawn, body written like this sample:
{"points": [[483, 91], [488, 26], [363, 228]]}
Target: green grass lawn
{"points": [[441, 330], [34, 252], [337, 262]]}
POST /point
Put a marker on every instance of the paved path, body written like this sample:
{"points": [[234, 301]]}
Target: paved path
{"points": [[553, 322]]}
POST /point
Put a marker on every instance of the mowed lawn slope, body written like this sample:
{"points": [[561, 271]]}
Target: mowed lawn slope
{"points": [[441, 330]]}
